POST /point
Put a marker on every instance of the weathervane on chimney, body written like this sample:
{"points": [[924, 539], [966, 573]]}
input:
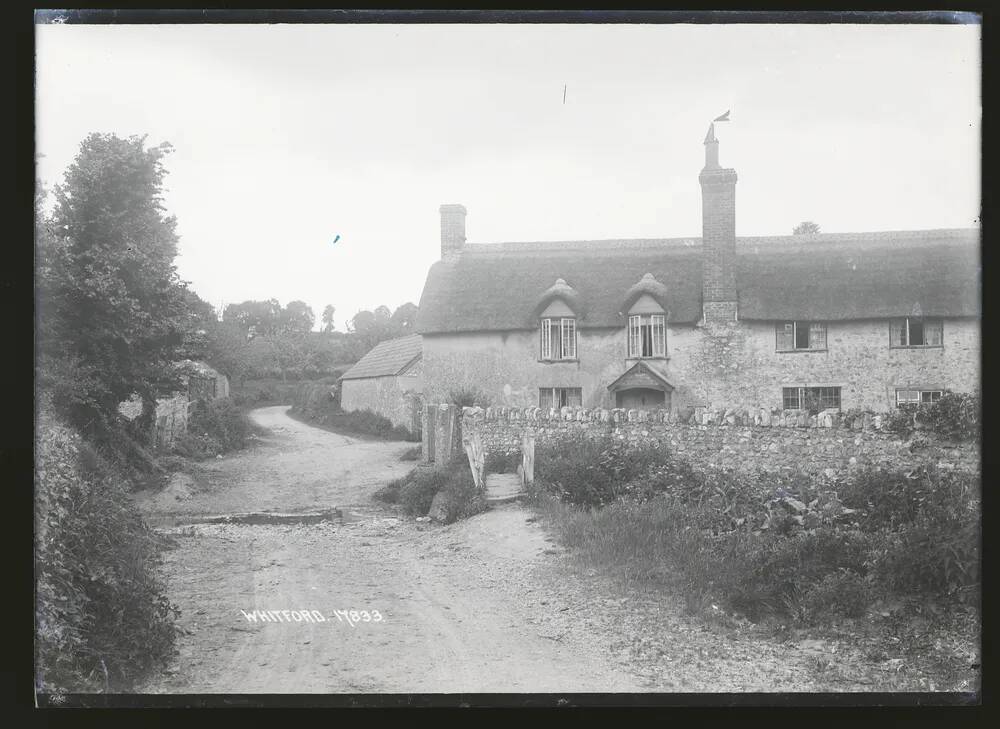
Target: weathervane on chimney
{"points": [[712, 144]]}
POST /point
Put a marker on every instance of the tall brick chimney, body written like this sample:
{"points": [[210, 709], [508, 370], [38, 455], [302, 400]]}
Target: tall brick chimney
{"points": [[452, 230], [718, 235]]}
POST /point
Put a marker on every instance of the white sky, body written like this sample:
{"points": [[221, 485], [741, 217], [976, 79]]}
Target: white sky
{"points": [[288, 135]]}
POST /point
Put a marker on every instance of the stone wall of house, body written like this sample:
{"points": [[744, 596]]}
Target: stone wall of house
{"points": [[391, 397], [790, 440], [734, 364]]}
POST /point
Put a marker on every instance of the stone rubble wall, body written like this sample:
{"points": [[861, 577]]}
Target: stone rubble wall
{"points": [[746, 440], [171, 420]]}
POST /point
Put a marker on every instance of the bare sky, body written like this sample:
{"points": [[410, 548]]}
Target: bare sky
{"points": [[289, 135]]}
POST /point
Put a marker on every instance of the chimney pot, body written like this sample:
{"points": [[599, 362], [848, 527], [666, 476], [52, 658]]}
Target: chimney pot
{"points": [[452, 229]]}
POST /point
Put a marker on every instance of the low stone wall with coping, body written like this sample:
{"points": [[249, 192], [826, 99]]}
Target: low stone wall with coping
{"points": [[747, 440]]}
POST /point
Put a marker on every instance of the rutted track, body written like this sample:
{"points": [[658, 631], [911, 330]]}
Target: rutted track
{"points": [[458, 614]]}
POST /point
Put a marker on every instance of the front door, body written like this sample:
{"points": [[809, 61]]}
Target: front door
{"points": [[642, 398]]}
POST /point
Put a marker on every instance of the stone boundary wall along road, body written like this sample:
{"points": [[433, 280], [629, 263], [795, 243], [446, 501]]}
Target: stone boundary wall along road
{"points": [[746, 440]]}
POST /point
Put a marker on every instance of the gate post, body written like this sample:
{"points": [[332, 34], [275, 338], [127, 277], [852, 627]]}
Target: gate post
{"points": [[428, 433]]}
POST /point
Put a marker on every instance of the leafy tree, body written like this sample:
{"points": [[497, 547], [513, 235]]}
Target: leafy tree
{"points": [[328, 325], [297, 318], [806, 227], [404, 319], [111, 309], [255, 318], [200, 322]]}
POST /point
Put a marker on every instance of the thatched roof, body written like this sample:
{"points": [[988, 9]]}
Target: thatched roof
{"points": [[827, 276], [559, 290], [386, 359]]}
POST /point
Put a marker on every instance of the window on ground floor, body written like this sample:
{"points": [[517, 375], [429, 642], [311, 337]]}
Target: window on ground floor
{"points": [[916, 397], [812, 399], [560, 397]]}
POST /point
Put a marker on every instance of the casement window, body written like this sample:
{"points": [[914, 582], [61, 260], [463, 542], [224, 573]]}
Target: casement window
{"points": [[647, 335], [558, 339], [798, 335], [559, 397], [916, 397], [813, 399], [916, 332]]}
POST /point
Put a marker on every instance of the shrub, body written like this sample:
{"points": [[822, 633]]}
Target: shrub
{"points": [[953, 415], [502, 461], [591, 469], [416, 495], [416, 491], [901, 421], [102, 615], [215, 426], [469, 397]]}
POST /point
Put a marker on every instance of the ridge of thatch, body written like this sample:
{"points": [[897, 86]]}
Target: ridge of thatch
{"points": [[828, 276]]}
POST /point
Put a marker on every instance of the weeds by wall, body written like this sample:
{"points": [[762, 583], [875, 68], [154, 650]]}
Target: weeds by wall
{"points": [[102, 615]]}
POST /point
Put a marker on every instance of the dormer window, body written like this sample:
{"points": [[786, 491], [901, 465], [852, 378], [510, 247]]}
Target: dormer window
{"points": [[645, 302], [647, 335], [558, 338]]}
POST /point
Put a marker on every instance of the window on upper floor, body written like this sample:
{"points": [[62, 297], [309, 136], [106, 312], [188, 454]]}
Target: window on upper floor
{"points": [[908, 397], [647, 335], [916, 331], [812, 399], [792, 336], [558, 338], [559, 397]]}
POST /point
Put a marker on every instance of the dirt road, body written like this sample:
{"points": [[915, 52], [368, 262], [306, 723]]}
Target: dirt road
{"points": [[457, 604], [490, 604]]}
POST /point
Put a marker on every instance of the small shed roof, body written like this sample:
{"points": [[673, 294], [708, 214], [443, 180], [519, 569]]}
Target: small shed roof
{"points": [[387, 359]]}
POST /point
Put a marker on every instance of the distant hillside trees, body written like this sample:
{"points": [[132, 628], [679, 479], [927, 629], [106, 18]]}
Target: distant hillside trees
{"points": [[806, 227], [262, 339]]}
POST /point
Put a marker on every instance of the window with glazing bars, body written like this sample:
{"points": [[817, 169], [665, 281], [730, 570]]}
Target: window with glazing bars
{"points": [[795, 335], [916, 397], [559, 397], [916, 332], [813, 399], [558, 339], [647, 335]]}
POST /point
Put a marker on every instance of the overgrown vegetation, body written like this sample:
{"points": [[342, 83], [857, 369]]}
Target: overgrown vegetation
{"points": [[764, 545], [415, 492], [317, 403], [102, 617], [468, 397], [502, 461], [112, 318], [955, 415], [215, 427]]}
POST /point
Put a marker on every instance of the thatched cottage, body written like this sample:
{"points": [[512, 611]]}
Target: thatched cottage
{"points": [[848, 320]]}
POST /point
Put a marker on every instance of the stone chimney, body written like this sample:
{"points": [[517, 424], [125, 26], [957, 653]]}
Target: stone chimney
{"points": [[452, 230], [718, 235]]}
